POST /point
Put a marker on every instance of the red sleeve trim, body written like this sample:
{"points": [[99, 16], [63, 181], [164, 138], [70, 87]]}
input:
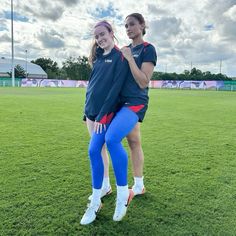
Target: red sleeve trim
{"points": [[116, 47], [103, 120], [106, 119], [109, 117], [136, 108], [122, 57]]}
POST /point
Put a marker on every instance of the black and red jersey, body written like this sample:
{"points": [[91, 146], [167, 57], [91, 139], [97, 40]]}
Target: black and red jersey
{"points": [[132, 95]]}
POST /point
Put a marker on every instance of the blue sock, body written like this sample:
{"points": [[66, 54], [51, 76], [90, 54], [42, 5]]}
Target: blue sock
{"points": [[122, 124]]}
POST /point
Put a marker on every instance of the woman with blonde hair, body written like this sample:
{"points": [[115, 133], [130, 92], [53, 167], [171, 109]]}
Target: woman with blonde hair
{"points": [[109, 71]]}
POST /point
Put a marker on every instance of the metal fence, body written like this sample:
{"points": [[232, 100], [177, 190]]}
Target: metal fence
{"points": [[229, 86], [7, 82]]}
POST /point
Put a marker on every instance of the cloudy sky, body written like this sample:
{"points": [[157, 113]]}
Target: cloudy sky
{"points": [[199, 33]]}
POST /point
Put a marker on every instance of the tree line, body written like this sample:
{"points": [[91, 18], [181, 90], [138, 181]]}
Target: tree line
{"points": [[193, 74], [79, 69], [72, 68]]}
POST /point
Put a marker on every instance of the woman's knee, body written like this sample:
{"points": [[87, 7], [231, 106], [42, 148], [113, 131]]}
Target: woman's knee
{"points": [[134, 137], [134, 142], [110, 139], [94, 150]]}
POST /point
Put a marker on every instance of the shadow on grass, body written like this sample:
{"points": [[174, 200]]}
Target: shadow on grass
{"points": [[141, 214]]}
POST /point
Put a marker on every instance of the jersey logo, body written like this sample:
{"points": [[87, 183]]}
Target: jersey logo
{"points": [[108, 60], [137, 53]]}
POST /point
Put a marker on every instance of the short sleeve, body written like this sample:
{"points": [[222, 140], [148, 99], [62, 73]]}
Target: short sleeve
{"points": [[149, 54]]}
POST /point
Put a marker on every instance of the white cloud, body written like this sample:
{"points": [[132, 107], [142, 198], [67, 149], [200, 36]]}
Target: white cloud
{"points": [[4, 37], [51, 39], [231, 13], [202, 32]]}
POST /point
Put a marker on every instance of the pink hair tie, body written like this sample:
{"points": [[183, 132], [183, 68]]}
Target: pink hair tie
{"points": [[103, 23]]}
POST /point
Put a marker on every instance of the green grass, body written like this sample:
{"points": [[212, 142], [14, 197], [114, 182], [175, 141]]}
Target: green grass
{"points": [[189, 141]]}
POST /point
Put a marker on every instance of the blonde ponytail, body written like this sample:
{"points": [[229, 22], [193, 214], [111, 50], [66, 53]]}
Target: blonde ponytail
{"points": [[92, 55]]}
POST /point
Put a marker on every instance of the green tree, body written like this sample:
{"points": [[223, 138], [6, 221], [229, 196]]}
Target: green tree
{"points": [[221, 77], [196, 74], [49, 66], [62, 74], [85, 68], [207, 75], [77, 68], [19, 72], [156, 75], [186, 73]]}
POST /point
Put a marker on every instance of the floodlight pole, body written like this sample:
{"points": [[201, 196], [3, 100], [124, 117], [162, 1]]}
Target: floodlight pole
{"points": [[12, 49], [26, 63], [220, 65]]}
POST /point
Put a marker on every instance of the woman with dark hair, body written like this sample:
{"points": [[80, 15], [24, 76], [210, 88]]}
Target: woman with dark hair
{"points": [[141, 57]]}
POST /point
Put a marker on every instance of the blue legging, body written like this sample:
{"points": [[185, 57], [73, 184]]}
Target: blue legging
{"points": [[97, 168], [122, 124]]}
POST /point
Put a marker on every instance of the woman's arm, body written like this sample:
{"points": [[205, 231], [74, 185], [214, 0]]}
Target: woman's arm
{"points": [[143, 75], [106, 112]]}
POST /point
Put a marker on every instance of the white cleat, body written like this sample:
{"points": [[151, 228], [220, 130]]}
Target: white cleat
{"points": [[121, 207], [138, 191], [104, 193], [90, 213]]}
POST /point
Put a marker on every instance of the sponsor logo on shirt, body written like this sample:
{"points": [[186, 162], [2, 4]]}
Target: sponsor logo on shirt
{"points": [[108, 60], [137, 53]]}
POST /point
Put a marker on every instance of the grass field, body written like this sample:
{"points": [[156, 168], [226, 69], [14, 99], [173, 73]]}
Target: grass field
{"points": [[189, 141]]}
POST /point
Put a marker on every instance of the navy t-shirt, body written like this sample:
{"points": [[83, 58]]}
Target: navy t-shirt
{"points": [[106, 80], [132, 94]]}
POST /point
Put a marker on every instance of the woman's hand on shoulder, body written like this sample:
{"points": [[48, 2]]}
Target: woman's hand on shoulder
{"points": [[126, 51]]}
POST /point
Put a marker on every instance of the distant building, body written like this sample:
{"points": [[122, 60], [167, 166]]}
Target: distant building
{"points": [[33, 71]]}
